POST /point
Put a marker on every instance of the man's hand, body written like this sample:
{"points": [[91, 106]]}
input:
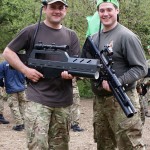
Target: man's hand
{"points": [[105, 85], [65, 75], [33, 74], [139, 90]]}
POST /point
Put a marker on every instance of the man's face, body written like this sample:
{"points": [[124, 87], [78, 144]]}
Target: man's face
{"points": [[108, 14], [55, 12]]}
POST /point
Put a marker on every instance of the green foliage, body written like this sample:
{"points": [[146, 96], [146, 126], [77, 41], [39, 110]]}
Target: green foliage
{"points": [[16, 14], [134, 14], [76, 17], [85, 88]]}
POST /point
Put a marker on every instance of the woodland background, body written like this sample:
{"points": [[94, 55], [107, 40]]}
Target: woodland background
{"points": [[16, 14]]}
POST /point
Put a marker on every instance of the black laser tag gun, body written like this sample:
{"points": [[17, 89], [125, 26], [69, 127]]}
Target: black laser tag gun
{"points": [[51, 60]]}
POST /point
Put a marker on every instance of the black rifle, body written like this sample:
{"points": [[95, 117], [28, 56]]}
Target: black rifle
{"points": [[107, 73], [51, 60]]}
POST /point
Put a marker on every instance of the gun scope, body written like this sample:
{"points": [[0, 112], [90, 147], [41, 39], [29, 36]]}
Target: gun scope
{"points": [[41, 46]]}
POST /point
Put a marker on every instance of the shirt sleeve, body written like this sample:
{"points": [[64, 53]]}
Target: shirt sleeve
{"points": [[135, 56]]}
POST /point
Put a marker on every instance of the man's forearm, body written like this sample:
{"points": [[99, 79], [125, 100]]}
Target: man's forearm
{"points": [[14, 60]]}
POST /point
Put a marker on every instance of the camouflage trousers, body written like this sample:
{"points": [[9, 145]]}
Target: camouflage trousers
{"points": [[17, 102], [1, 104], [3, 97], [47, 128], [112, 129], [74, 109]]}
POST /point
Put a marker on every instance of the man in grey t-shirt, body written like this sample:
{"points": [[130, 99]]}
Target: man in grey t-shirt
{"points": [[112, 129], [49, 100]]}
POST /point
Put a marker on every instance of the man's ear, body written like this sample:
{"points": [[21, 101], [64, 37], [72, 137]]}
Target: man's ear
{"points": [[66, 9], [118, 10], [44, 8]]}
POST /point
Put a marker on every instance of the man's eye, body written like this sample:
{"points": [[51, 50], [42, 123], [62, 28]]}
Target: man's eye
{"points": [[101, 10], [59, 8], [52, 7], [109, 10]]}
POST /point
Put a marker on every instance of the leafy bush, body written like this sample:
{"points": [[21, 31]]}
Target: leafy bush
{"points": [[85, 88]]}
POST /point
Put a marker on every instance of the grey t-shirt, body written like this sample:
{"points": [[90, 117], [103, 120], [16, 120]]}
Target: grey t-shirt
{"points": [[128, 55], [54, 92]]}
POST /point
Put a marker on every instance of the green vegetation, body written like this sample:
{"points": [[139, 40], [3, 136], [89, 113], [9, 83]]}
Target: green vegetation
{"points": [[16, 14], [85, 88]]}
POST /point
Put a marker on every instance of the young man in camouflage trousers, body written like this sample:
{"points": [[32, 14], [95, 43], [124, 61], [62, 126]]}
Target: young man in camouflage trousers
{"points": [[14, 83], [47, 113], [112, 129]]}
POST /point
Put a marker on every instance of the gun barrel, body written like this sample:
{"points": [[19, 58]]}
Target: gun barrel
{"points": [[84, 74], [125, 104]]}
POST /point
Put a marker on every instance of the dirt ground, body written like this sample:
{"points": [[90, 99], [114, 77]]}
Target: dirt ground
{"points": [[12, 140]]}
